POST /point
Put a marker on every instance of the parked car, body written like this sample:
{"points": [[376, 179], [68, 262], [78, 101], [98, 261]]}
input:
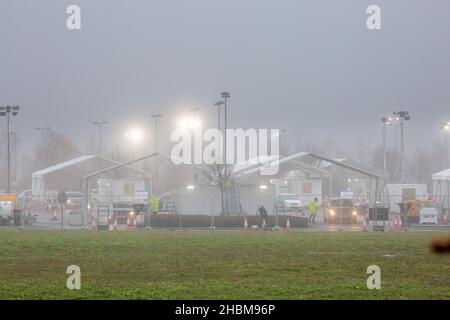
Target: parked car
{"points": [[291, 202]]}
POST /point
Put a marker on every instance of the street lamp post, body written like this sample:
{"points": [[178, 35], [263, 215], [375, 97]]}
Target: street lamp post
{"points": [[6, 111], [100, 125], [403, 116]]}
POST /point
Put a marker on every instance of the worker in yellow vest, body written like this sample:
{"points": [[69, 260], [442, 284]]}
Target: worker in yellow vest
{"points": [[313, 206], [154, 203]]}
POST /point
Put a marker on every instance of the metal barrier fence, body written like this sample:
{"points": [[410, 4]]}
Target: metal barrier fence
{"points": [[202, 209]]}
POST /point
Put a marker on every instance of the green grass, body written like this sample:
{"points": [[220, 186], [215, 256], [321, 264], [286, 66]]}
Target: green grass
{"points": [[220, 265]]}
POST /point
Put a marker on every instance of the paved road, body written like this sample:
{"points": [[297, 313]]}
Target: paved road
{"points": [[335, 227]]}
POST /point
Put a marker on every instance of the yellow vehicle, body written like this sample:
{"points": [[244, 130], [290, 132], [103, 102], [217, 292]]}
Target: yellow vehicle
{"points": [[412, 208]]}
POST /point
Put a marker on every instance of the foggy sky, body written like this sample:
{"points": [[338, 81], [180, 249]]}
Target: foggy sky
{"points": [[311, 67]]}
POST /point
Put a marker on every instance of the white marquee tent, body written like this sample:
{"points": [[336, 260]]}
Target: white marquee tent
{"points": [[441, 188]]}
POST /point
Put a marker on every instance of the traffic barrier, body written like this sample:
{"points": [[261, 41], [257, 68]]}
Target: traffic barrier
{"points": [[132, 223], [395, 224], [365, 227], [288, 225], [113, 226]]}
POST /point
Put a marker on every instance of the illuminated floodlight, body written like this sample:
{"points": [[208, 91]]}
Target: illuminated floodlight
{"points": [[195, 124], [135, 135], [182, 123]]}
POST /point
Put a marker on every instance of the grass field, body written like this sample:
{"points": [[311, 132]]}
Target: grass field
{"points": [[220, 265]]}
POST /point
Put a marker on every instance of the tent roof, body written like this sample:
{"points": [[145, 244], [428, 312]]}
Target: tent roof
{"points": [[62, 165], [353, 165], [442, 175], [77, 161], [294, 162], [286, 164]]}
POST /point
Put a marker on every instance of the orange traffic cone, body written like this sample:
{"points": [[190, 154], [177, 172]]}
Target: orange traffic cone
{"points": [[288, 225]]}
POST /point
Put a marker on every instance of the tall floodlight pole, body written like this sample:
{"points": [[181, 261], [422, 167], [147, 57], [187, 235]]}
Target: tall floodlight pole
{"points": [[446, 129], [7, 111], [395, 123], [155, 117], [219, 105], [14, 143], [403, 116], [100, 125], [194, 112], [385, 122], [225, 95]]}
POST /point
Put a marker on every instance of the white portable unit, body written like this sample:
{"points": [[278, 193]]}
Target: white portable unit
{"points": [[399, 192], [428, 215]]}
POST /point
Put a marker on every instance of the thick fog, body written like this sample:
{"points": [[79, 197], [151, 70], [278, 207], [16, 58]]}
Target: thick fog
{"points": [[310, 67]]}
